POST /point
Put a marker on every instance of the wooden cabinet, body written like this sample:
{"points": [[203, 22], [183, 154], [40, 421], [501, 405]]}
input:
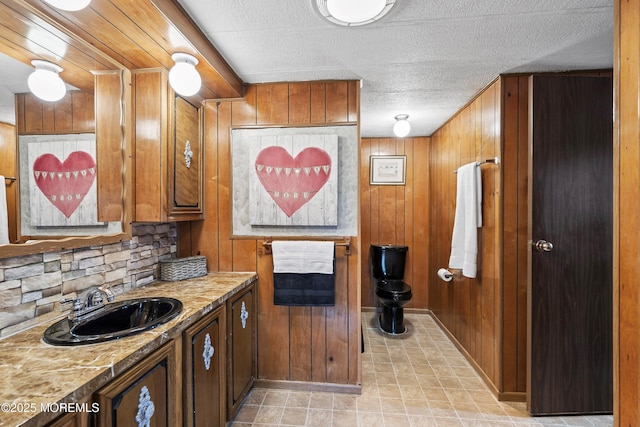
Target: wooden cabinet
{"points": [[204, 371], [149, 391], [168, 152], [241, 347]]}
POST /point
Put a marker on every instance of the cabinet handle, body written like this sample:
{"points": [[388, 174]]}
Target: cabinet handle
{"points": [[244, 315], [208, 352], [146, 408], [188, 154]]}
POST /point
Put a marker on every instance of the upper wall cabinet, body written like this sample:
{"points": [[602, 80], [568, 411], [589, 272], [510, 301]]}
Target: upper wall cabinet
{"points": [[168, 152]]}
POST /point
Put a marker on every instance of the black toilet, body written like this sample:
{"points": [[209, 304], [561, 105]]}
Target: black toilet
{"points": [[388, 271]]}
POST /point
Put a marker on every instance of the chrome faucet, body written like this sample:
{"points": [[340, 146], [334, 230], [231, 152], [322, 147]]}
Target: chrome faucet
{"points": [[94, 298], [94, 301]]}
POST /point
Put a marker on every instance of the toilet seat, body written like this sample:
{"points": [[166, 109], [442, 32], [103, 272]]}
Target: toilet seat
{"points": [[396, 290]]}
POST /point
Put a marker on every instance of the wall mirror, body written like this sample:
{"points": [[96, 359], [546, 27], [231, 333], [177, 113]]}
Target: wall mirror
{"points": [[31, 127]]}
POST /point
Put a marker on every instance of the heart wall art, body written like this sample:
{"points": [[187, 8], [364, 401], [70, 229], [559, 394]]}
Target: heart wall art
{"points": [[298, 181], [294, 180], [62, 182]]}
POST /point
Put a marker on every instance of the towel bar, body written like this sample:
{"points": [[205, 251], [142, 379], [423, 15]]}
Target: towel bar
{"points": [[495, 161], [346, 244]]}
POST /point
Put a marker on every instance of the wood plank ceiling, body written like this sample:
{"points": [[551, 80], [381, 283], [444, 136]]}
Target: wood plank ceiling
{"points": [[111, 35]]}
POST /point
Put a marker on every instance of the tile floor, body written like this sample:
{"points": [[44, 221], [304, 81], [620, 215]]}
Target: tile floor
{"points": [[417, 379]]}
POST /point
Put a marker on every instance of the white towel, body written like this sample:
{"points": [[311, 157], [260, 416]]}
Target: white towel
{"points": [[302, 256], [468, 218], [4, 217]]}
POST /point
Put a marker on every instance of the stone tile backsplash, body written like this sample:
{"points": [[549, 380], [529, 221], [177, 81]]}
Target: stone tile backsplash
{"points": [[33, 285]]}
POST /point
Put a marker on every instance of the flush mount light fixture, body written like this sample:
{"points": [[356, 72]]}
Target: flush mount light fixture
{"points": [[351, 13], [183, 77], [45, 83], [70, 5], [402, 127]]}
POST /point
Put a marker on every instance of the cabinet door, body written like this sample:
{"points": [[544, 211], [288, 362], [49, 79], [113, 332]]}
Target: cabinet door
{"points": [[204, 373], [187, 157], [241, 363], [71, 420], [145, 395]]}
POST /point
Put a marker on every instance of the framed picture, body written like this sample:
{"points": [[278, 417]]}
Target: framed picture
{"points": [[387, 170], [292, 181]]}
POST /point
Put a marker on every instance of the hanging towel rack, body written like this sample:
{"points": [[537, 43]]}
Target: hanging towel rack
{"points": [[10, 179], [495, 161], [346, 243]]}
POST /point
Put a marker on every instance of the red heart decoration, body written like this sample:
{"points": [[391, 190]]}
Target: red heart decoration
{"points": [[292, 182], [65, 184]]}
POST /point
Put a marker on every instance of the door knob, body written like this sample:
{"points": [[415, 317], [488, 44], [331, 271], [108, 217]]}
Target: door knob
{"points": [[543, 246]]}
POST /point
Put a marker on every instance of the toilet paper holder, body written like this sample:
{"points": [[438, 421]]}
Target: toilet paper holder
{"points": [[445, 275]]}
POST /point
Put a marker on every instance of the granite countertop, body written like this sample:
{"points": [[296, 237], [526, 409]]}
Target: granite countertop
{"points": [[34, 374]]}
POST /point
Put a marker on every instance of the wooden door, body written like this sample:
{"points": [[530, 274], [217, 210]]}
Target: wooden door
{"points": [[204, 374], [187, 155], [241, 362], [570, 280], [144, 395]]}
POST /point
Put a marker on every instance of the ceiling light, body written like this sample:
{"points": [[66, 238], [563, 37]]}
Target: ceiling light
{"points": [[183, 77], [70, 5], [45, 83], [402, 127], [353, 12]]}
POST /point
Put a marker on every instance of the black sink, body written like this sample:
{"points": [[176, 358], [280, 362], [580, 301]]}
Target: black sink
{"points": [[113, 321]]}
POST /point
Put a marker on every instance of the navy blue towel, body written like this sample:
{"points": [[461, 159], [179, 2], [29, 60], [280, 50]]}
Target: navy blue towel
{"points": [[309, 289]]}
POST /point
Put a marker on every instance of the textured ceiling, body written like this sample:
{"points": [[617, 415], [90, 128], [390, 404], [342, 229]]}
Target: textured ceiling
{"points": [[426, 58]]}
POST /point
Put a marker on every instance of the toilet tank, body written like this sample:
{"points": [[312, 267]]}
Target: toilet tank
{"points": [[388, 261]]}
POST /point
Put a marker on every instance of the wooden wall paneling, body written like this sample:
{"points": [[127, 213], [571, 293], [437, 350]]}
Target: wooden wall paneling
{"points": [[419, 224], [510, 113], [337, 324], [33, 114], [203, 236], [523, 243], [470, 309], [337, 102], [62, 112], [353, 101], [300, 102], [466, 291], [436, 211], [149, 98], [300, 344], [626, 213], [274, 325], [405, 204], [110, 142], [374, 234], [8, 168], [453, 162], [354, 305], [225, 245], [318, 102], [486, 261], [83, 113], [319, 371], [515, 247], [367, 295], [273, 103], [301, 347]]}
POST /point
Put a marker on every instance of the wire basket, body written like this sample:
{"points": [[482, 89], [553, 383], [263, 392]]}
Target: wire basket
{"points": [[176, 269]]}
